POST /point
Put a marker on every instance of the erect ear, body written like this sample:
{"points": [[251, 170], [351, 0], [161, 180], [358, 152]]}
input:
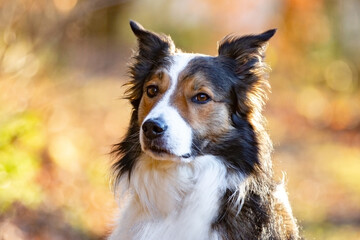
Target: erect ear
{"points": [[151, 45], [246, 50], [153, 50], [246, 54], [234, 46]]}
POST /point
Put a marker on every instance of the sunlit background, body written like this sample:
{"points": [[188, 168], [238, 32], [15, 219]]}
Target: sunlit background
{"points": [[62, 67]]}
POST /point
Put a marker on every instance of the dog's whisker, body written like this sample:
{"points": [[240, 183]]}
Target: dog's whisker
{"points": [[197, 148]]}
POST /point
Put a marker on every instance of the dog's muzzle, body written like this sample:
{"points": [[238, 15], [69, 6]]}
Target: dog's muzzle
{"points": [[166, 137], [154, 128]]}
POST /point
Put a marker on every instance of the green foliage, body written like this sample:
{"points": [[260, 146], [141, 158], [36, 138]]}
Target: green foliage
{"points": [[21, 139], [59, 116]]}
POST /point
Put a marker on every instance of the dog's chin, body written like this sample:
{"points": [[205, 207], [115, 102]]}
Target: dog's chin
{"points": [[164, 154]]}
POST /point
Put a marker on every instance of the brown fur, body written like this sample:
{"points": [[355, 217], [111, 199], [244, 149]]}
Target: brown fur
{"points": [[208, 120], [160, 79], [230, 126]]}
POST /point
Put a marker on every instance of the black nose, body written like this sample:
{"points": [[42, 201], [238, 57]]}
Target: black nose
{"points": [[154, 128]]}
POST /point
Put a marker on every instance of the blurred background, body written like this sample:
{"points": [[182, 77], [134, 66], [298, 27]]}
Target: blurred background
{"points": [[62, 67]]}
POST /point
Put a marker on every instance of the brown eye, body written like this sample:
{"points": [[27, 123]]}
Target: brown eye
{"points": [[152, 91], [201, 98]]}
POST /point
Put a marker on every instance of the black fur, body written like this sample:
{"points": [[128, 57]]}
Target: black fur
{"points": [[239, 148], [128, 150], [152, 54], [239, 75]]}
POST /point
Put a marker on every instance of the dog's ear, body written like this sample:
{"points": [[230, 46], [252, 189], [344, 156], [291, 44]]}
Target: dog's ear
{"points": [[151, 45], [246, 50], [234, 46], [247, 54], [152, 52]]}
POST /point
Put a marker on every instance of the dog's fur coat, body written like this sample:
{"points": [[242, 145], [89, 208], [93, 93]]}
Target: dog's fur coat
{"points": [[203, 170]]}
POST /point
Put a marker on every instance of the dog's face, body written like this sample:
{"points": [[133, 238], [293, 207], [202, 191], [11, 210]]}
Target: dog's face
{"points": [[187, 103], [182, 103]]}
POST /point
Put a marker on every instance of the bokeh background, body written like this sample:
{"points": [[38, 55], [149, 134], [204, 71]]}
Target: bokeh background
{"points": [[62, 67]]}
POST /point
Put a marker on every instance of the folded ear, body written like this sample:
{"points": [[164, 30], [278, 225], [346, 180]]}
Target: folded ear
{"points": [[151, 45]]}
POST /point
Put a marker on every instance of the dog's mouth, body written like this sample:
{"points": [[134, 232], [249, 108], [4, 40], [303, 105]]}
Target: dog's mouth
{"points": [[163, 153], [159, 150]]}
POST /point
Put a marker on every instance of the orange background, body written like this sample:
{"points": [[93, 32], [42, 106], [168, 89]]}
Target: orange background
{"points": [[62, 67]]}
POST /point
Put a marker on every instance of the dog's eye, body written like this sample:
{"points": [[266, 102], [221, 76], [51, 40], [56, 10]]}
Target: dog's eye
{"points": [[152, 91], [201, 98]]}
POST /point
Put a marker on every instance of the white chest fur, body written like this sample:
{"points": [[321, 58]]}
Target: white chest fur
{"points": [[170, 200]]}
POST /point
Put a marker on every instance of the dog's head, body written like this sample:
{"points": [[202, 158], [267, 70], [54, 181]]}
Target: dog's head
{"points": [[187, 105]]}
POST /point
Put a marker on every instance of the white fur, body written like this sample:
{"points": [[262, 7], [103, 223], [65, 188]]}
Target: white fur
{"points": [[178, 136], [281, 196], [172, 200]]}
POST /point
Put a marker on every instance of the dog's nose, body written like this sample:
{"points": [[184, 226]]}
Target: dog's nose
{"points": [[154, 128]]}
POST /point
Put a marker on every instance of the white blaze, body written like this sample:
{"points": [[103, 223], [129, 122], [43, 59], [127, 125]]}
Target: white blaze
{"points": [[178, 136]]}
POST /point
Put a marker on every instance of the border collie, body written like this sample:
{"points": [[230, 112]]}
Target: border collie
{"points": [[195, 163]]}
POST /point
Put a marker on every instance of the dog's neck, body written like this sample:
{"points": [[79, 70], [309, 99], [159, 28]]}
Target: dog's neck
{"points": [[165, 187], [171, 194]]}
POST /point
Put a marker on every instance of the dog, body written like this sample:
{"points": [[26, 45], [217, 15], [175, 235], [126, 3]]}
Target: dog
{"points": [[195, 163]]}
